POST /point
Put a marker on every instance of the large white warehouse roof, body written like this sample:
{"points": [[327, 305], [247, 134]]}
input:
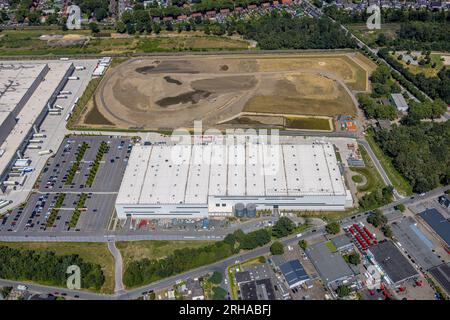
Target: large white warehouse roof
{"points": [[187, 174]]}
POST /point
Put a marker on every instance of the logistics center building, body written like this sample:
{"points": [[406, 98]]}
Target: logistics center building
{"points": [[198, 181]]}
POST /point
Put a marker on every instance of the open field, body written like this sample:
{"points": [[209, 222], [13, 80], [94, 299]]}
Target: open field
{"points": [[372, 178], [163, 93], [57, 42], [438, 58], [137, 250], [399, 182], [370, 36], [97, 253]]}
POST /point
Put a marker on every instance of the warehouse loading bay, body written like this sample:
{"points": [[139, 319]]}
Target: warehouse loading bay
{"points": [[51, 131], [53, 208]]}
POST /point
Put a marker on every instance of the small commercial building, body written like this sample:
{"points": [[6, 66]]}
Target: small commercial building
{"points": [[342, 243], [399, 101], [438, 223], [395, 268], [442, 274], [294, 273], [332, 268], [416, 243]]}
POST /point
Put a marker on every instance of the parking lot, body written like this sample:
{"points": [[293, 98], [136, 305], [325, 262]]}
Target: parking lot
{"points": [[42, 213]]}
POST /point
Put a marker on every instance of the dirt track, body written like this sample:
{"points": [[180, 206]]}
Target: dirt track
{"points": [[172, 92]]}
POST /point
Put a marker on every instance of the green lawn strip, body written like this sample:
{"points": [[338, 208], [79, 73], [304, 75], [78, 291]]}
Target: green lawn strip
{"points": [[373, 178], [82, 102], [76, 213], [308, 123], [234, 290], [331, 246], [80, 154], [398, 181], [101, 151], [54, 213], [91, 252]]}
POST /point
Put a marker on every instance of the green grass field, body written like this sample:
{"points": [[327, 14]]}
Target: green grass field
{"points": [[373, 178], [97, 253], [137, 250], [370, 36], [398, 181], [26, 42], [308, 123], [426, 69]]}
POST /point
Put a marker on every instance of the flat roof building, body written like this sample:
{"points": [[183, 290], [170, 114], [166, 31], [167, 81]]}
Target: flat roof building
{"points": [[36, 86], [294, 273], [395, 267], [438, 223], [399, 102], [442, 275], [416, 243], [184, 181], [332, 268], [342, 243]]}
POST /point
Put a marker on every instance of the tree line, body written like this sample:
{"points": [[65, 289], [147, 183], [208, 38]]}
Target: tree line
{"points": [[47, 267], [420, 152], [149, 270]]}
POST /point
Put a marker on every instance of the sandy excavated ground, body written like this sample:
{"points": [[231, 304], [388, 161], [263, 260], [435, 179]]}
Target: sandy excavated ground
{"points": [[172, 92]]}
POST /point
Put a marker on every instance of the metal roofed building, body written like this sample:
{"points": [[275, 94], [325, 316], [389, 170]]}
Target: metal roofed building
{"points": [[399, 102], [34, 110], [294, 273], [416, 243], [17, 83], [184, 181], [438, 223], [332, 268], [442, 275], [393, 264], [342, 243]]}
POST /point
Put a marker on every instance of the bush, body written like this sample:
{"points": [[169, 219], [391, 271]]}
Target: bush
{"points": [[333, 228], [219, 293], [283, 227], [216, 278], [303, 244], [277, 248]]}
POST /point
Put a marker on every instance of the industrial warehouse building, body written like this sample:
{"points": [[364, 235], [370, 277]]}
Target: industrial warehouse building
{"points": [[26, 89], [210, 179]]}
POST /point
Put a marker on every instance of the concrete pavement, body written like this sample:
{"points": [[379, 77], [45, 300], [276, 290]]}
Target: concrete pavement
{"points": [[118, 265]]}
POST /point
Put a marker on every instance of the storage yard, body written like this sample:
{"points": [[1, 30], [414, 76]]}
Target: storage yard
{"points": [[164, 93]]}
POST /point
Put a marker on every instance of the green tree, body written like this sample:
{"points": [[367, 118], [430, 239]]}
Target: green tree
{"points": [[277, 248], [387, 231], [333, 228], [343, 291], [303, 244], [283, 227], [219, 293], [94, 27], [216, 277], [354, 258], [377, 219]]}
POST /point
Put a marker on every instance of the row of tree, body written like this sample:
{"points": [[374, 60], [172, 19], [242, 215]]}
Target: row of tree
{"points": [[47, 267], [388, 15], [149, 270], [435, 87]]}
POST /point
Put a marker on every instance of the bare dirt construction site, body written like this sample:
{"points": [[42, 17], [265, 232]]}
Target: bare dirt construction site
{"points": [[276, 90]]}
